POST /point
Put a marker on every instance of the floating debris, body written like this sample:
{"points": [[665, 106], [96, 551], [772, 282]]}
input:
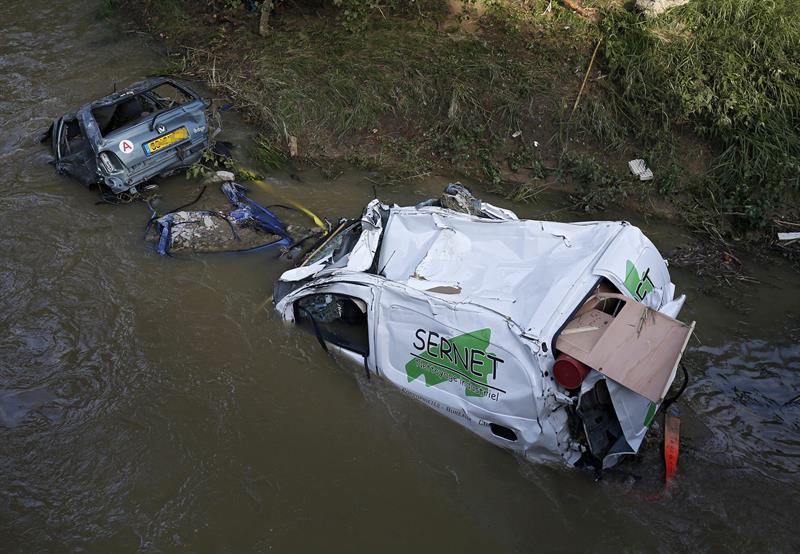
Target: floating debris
{"points": [[247, 226]]}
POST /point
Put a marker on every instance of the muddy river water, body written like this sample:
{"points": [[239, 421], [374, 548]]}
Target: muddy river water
{"points": [[147, 404]]}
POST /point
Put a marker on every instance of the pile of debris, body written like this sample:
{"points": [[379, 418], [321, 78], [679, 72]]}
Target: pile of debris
{"points": [[247, 225]]}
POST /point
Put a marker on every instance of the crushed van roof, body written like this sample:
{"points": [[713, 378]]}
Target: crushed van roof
{"points": [[519, 268]]}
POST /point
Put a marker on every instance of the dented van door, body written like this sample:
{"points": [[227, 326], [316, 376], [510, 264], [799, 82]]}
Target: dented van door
{"points": [[341, 318]]}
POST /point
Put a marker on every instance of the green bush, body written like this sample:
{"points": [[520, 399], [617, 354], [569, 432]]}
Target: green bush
{"points": [[730, 71], [597, 187]]}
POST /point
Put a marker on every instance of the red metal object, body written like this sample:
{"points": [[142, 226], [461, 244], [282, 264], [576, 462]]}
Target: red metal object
{"points": [[569, 372]]}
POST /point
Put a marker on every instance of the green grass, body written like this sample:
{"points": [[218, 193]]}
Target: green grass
{"points": [[106, 9], [454, 97], [406, 87], [597, 187], [729, 70]]}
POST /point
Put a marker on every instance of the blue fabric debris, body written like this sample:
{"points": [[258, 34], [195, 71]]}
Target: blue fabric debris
{"points": [[248, 209], [164, 227], [245, 212]]}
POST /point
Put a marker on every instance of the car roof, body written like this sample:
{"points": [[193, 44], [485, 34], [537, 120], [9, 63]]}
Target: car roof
{"points": [[521, 269], [136, 88]]}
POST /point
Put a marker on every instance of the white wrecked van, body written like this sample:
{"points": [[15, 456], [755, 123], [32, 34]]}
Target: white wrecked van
{"points": [[556, 340]]}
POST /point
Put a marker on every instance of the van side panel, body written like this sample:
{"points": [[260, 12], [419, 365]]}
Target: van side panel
{"points": [[466, 364]]}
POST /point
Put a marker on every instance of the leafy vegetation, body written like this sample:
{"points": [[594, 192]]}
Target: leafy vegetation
{"points": [[597, 186], [730, 71], [209, 163]]}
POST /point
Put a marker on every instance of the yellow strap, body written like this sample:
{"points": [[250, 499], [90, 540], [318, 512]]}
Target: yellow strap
{"points": [[272, 190]]}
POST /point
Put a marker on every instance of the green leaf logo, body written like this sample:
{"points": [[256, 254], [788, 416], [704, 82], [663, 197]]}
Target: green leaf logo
{"points": [[639, 287]]}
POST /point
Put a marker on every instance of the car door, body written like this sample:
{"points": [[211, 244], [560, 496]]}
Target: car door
{"points": [[72, 151], [340, 316]]}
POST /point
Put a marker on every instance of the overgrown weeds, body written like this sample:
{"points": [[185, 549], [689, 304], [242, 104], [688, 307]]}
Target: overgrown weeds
{"points": [[106, 9], [409, 85], [730, 71], [597, 186], [453, 98]]}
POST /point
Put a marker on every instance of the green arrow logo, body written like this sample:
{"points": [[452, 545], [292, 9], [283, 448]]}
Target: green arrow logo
{"points": [[639, 287], [463, 359]]}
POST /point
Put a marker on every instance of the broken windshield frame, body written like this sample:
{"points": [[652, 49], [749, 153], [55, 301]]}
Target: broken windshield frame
{"points": [[131, 110], [337, 244]]}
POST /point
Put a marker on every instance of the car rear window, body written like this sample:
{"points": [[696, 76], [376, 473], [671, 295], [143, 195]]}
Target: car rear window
{"points": [[132, 109], [169, 96]]}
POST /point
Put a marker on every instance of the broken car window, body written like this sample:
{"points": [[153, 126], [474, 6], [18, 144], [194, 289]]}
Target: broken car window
{"points": [[123, 113], [335, 318], [135, 108], [337, 246], [71, 139], [168, 96]]}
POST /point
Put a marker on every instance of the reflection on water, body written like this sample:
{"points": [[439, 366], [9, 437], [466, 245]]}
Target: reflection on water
{"points": [[146, 403], [746, 399]]}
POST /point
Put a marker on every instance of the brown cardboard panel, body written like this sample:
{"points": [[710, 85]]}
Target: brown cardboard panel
{"points": [[639, 348]]}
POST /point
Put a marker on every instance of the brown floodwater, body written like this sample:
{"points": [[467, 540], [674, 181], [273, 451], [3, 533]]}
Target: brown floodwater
{"points": [[147, 404]]}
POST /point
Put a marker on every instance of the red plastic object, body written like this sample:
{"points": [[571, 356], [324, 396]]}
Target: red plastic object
{"points": [[672, 434], [569, 372]]}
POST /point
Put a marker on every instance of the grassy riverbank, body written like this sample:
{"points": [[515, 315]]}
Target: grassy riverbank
{"points": [[707, 94]]}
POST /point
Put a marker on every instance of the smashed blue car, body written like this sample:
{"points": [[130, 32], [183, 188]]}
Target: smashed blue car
{"points": [[152, 128]]}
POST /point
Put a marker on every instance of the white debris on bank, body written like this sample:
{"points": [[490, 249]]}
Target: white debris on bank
{"points": [[656, 7], [640, 169], [219, 177], [788, 236]]}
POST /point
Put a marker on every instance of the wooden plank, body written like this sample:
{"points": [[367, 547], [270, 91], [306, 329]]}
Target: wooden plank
{"points": [[582, 333]]}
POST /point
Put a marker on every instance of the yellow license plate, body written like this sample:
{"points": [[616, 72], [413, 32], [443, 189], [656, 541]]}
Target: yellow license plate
{"points": [[167, 140]]}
